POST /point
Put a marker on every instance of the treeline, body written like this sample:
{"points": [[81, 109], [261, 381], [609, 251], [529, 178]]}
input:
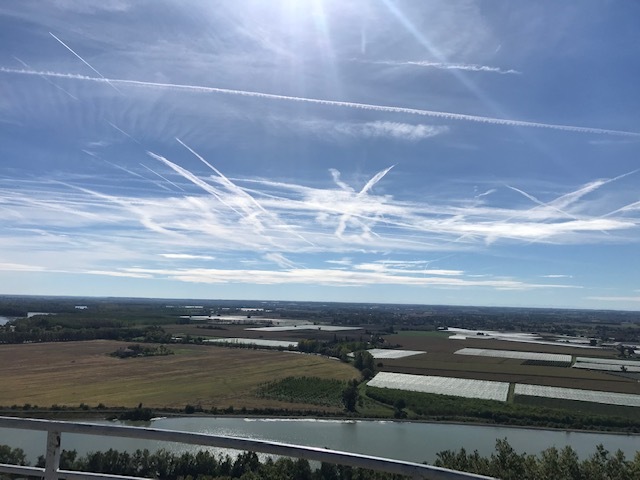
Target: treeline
{"points": [[332, 348], [202, 465], [43, 329], [552, 463], [137, 350], [505, 463], [427, 406]]}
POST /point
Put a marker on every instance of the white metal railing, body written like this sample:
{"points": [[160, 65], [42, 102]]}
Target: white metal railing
{"points": [[55, 429]]}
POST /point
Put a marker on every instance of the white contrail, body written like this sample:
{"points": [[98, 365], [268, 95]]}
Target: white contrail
{"points": [[335, 174], [123, 132], [191, 177], [626, 208], [375, 179], [82, 60], [241, 192], [342, 225], [569, 198], [470, 67], [163, 177], [46, 79], [333, 103], [228, 183], [541, 203]]}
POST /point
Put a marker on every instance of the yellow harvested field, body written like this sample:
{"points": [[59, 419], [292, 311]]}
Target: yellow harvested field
{"points": [[71, 373]]}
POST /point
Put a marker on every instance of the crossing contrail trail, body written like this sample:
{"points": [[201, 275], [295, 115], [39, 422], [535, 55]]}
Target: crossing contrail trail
{"points": [[342, 225], [82, 60], [48, 80], [332, 103]]}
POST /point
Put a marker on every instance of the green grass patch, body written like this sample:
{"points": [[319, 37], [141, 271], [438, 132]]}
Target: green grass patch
{"points": [[428, 406], [310, 390], [590, 408]]}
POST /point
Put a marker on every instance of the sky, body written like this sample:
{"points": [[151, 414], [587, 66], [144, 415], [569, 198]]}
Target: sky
{"points": [[429, 152]]}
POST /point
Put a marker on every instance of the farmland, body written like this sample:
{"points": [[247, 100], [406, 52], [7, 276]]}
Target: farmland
{"points": [[305, 390], [579, 395], [259, 342], [442, 385], [40, 365], [541, 357], [72, 373], [442, 360]]}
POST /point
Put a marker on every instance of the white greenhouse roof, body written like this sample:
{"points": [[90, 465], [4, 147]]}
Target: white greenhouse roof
{"points": [[484, 352], [459, 387], [593, 396]]}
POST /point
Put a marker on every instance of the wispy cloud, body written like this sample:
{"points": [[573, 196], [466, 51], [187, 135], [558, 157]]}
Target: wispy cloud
{"points": [[209, 215], [378, 129], [331, 277], [469, 67], [615, 299], [331, 103], [213, 217], [18, 267], [186, 256], [112, 273], [488, 192], [402, 131], [345, 262], [280, 260], [406, 268]]}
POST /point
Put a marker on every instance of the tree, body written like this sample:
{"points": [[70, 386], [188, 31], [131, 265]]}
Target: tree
{"points": [[399, 406], [15, 456], [350, 398], [364, 360]]}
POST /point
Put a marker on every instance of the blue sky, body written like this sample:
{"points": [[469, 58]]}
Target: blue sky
{"points": [[439, 152]]}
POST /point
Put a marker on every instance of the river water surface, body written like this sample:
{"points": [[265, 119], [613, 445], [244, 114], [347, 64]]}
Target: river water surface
{"points": [[416, 442]]}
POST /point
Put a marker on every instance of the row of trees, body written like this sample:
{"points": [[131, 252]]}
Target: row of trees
{"points": [[333, 348], [202, 465], [57, 333], [363, 361], [137, 350], [505, 463]]}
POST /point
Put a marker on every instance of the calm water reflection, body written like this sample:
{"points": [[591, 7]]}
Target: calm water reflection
{"points": [[401, 440]]}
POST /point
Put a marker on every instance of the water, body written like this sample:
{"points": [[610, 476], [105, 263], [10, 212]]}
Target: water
{"points": [[416, 442], [5, 320]]}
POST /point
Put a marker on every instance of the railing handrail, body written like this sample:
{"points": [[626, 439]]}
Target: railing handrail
{"points": [[55, 428]]}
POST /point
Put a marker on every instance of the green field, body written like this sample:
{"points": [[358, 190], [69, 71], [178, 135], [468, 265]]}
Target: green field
{"points": [[309, 390]]}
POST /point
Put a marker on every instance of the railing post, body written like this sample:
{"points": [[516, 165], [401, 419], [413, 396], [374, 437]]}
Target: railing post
{"points": [[53, 456]]}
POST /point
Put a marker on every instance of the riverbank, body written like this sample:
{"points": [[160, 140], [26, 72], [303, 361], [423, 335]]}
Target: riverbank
{"points": [[120, 414], [411, 441]]}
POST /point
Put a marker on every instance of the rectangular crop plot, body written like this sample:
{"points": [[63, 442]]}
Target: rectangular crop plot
{"points": [[592, 396], [309, 326], [459, 387], [390, 353], [610, 361], [542, 357], [608, 367], [255, 341]]}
